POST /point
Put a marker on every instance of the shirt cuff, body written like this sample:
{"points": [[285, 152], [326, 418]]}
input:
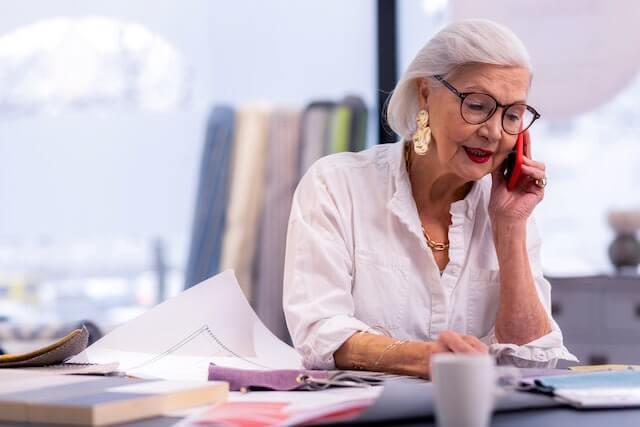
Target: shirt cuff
{"points": [[329, 334], [543, 352]]}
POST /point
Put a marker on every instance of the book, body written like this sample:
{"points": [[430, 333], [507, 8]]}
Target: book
{"points": [[40, 397]]}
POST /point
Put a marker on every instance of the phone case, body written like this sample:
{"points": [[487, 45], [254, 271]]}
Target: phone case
{"points": [[513, 163]]}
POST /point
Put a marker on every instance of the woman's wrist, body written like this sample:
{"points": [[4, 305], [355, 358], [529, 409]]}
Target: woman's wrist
{"points": [[415, 359], [506, 227], [381, 353], [509, 236], [398, 357]]}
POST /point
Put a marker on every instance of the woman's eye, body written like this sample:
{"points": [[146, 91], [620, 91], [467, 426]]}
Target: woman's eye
{"points": [[513, 117], [477, 107]]}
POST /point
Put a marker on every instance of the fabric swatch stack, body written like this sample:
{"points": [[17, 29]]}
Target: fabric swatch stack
{"points": [[252, 160]]}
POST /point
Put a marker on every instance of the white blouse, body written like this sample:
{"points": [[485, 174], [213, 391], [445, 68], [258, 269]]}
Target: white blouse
{"points": [[356, 259]]}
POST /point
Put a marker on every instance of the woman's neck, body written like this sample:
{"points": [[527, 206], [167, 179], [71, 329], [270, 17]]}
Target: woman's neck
{"points": [[434, 188]]}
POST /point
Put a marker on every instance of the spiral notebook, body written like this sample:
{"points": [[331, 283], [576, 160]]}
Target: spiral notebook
{"points": [[607, 389]]}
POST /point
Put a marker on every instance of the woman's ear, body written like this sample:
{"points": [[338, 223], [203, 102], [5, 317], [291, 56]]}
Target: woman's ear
{"points": [[423, 92]]}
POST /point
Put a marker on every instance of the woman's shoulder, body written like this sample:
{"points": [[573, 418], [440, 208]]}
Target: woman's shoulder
{"points": [[351, 164], [376, 154]]}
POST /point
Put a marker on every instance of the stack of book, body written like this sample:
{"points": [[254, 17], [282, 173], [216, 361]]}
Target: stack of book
{"points": [[42, 397]]}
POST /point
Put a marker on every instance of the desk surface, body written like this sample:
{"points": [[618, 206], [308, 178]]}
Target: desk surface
{"points": [[517, 409], [411, 404], [549, 417]]}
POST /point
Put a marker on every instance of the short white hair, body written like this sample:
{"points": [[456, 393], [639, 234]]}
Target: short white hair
{"points": [[476, 41]]}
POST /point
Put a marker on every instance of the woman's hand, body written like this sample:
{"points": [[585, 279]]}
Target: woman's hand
{"points": [[453, 342], [381, 353], [515, 207]]}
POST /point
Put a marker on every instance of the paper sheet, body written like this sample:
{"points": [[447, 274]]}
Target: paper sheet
{"points": [[293, 407], [209, 322]]}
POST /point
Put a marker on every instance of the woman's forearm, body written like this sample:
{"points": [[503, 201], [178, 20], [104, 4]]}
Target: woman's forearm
{"points": [[521, 316], [385, 354]]}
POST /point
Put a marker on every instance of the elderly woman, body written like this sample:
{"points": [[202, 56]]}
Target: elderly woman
{"points": [[414, 248]]}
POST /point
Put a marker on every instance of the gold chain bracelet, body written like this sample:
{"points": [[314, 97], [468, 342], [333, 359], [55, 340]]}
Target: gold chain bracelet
{"points": [[390, 347]]}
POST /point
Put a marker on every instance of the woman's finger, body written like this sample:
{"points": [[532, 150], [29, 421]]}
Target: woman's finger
{"points": [[528, 185], [527, 144], [531, 162], [455, 342], [535, 173], [474, 342]]}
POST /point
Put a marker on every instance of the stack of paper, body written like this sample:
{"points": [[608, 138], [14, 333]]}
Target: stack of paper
{"points": [[213, 322], [209, 322], [266, 413]]}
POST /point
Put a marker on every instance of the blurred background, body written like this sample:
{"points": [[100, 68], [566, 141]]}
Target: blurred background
{"points": [[131, 134]]}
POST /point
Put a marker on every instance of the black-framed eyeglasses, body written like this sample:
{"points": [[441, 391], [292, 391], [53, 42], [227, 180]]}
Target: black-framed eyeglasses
{"points": [[477, 108]]}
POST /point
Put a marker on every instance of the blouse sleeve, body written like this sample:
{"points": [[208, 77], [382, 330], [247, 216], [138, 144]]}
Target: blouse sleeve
{"points": [[317, 300], [545, 351]]}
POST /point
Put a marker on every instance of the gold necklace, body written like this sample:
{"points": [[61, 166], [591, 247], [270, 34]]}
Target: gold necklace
{"points": [[436, 246]]}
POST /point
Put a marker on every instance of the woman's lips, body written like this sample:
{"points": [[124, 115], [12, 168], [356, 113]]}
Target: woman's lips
{"points": [[478, 155]]}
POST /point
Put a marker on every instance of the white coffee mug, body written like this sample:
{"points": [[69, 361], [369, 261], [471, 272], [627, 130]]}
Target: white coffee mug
{"points": [[465, 388]]}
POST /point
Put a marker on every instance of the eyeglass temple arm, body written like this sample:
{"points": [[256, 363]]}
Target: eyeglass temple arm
{"points": [[448, 85]]}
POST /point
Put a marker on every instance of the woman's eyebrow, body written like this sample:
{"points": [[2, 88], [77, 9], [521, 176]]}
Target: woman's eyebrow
{"points": [[482, 89]]}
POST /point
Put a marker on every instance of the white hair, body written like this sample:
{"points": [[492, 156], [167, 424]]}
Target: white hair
{"points": [[476, 41]]}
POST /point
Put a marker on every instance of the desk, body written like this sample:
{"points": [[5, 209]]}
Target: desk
{"points": [[552, 417], [411, 404], [514, 410]]}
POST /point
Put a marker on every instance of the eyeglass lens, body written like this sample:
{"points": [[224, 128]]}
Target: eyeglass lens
{"points": [[478, 108]]}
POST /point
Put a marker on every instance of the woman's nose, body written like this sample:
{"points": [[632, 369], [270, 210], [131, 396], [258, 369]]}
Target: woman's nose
{"points": [[494, 127]]}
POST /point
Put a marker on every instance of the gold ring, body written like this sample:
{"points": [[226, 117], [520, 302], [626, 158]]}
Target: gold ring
{"points": [[541, 182]]}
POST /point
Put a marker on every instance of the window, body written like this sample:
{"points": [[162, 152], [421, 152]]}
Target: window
{"points": [[590, 147], [89, 63], [86, 88], [103, 112]]}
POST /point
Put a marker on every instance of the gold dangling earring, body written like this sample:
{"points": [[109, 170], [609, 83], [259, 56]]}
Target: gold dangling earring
{"points": [[422, 136]]}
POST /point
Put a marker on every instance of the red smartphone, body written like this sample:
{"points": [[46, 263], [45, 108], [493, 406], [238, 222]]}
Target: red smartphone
{"points": [[513, 162]]}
